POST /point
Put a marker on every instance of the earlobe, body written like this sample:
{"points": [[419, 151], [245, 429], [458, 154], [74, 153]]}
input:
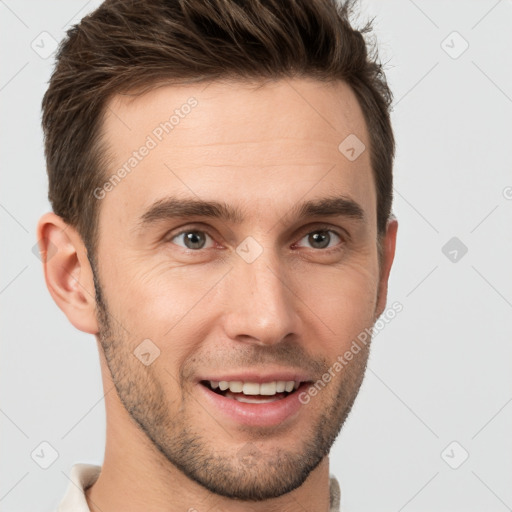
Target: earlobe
{"points": [[67, 271], [388, 255]]}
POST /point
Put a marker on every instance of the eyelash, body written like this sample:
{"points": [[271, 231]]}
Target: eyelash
{"points": [[322, 228]]}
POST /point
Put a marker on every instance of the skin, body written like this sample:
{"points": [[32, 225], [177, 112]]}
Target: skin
{"points": [[296, 306]]}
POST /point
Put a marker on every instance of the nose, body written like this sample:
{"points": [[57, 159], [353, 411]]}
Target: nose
{"points": [[261, 302]]}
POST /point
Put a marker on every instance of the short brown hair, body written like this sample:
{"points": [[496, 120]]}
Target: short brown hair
{"points": [[127, 45]]}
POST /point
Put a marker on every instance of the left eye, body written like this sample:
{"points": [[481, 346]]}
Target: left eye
{"points": [[321, 238]]}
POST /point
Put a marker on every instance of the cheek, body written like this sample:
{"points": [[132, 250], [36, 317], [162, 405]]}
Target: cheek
{"points": [[351, 283], [166, 305], [177, 305], [341, 303]]}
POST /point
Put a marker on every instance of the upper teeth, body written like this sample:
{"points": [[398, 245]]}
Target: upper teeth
{"points": [[254, 388]]}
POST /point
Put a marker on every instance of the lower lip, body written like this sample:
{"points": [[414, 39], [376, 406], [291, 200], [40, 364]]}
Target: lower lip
{"points": [[259, 415]]}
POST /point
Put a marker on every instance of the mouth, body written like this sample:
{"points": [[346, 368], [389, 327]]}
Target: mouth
{"points": [[253, 392], [256, 399]]}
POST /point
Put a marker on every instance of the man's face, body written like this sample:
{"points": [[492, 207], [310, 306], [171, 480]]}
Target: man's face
{"points": [[269, 296]]}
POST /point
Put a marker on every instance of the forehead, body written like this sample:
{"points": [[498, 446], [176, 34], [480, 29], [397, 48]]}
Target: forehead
{"points": [[256, 145]]}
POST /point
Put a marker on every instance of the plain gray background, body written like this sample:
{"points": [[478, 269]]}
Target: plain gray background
{"points": [[439, 382]]}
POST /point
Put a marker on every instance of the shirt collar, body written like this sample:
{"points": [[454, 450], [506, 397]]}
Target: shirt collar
{"points": [[82, 476]]}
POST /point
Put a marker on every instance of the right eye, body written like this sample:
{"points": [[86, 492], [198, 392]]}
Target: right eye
{"points": [[192, 239]]}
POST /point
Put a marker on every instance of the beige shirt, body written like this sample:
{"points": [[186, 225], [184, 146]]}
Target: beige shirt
{"points": [[84, 475]]}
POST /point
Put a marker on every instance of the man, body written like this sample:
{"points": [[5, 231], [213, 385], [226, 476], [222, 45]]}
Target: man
{"points": [[221, 181]]}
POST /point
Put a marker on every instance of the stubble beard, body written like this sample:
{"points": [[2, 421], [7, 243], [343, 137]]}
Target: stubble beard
{"points": [[265, 474]]}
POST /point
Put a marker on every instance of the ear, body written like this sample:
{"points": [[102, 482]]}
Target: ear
{"points": [[388, 255], [67, 271]]}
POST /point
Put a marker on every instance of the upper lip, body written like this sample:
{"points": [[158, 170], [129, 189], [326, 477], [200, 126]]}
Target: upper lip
{"points": [[259, 377]]}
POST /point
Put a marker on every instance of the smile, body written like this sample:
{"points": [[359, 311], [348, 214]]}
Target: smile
{"points": [[252, 403], [253, 392]]}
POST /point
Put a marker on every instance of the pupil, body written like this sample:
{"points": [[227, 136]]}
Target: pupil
{"points": [[192, 240], [322, 236]]}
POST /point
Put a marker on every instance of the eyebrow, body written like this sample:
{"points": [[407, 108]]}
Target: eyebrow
{"points": [[177, 208]]}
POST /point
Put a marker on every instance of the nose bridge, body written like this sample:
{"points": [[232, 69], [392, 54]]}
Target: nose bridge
{"points": [[262, 308]]}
